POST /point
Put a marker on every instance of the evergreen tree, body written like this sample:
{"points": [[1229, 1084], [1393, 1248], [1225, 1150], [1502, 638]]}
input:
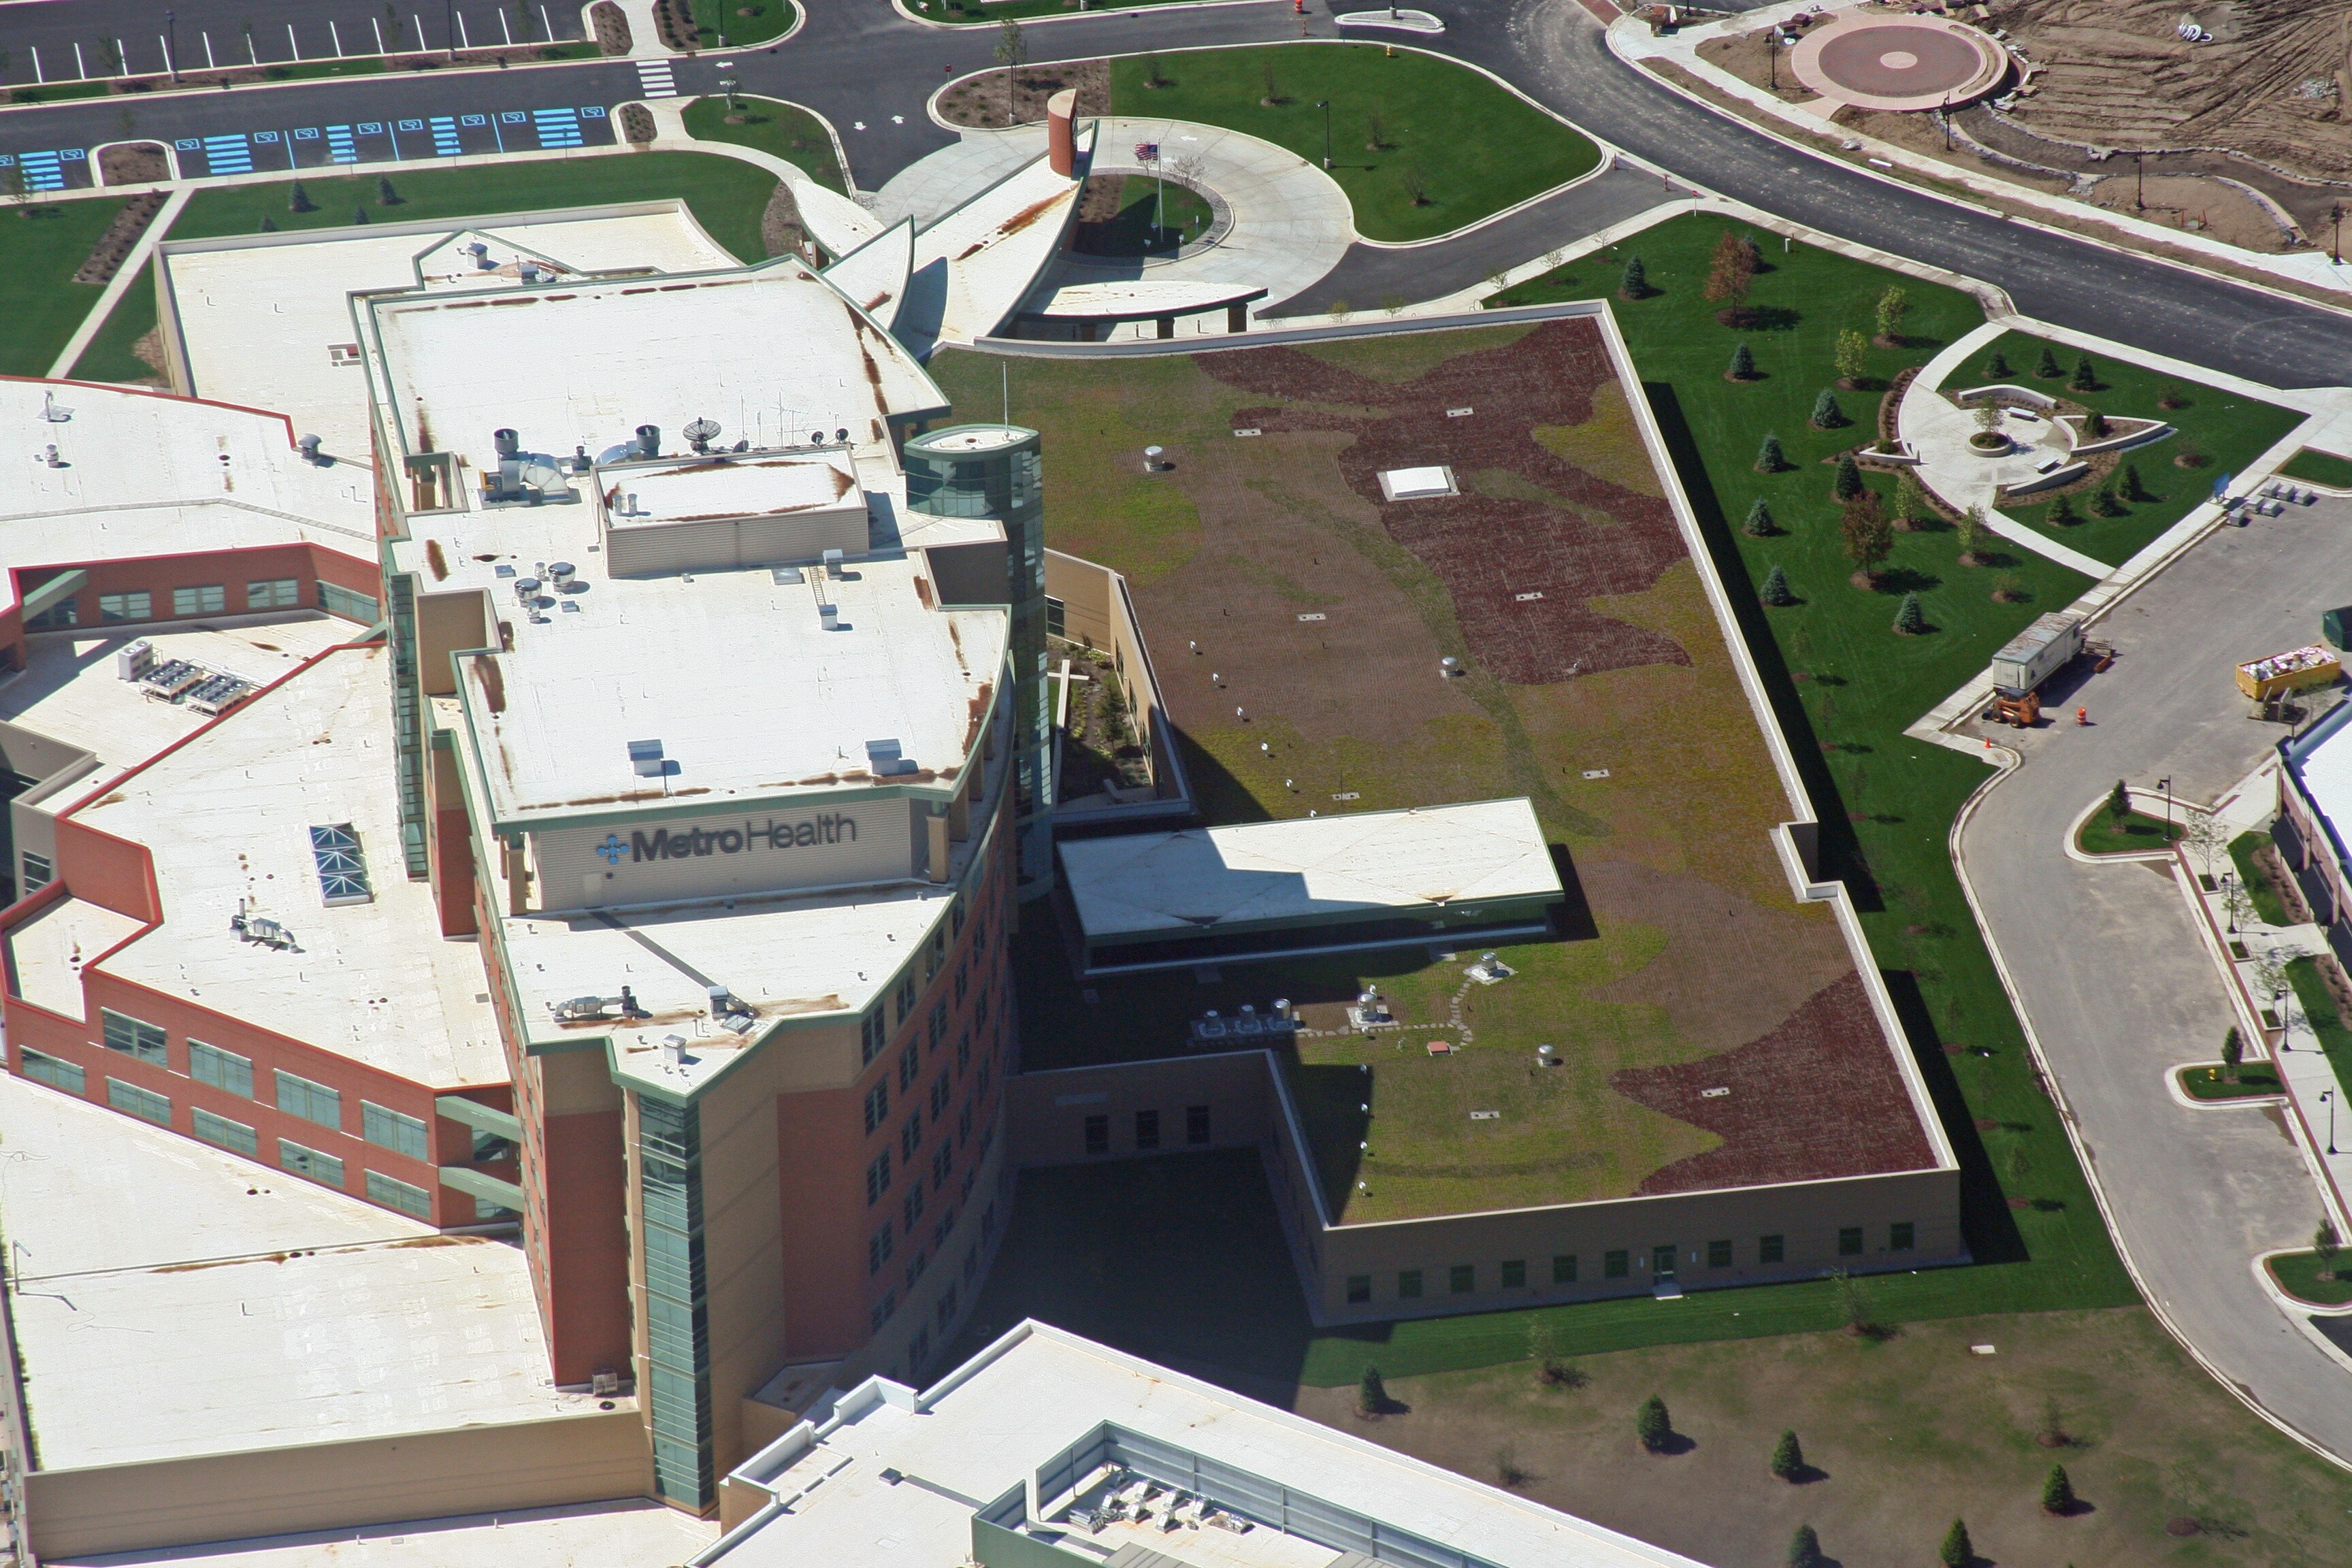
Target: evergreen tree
{"points": [[1743, 363], [268, 223], [2326, 1243], [1776, 591], [2062, 513], [2105, 502], [1652, 1424], [1997, 367], [298, 199], [1958, 1550], [1805, 1548], [2095, 425], [2048, 368], [1909, 619], [1758, 524], [1827, 414], [2233, 1051], [386, 196], [2086, 379], [2057, 1491], [359, 214], [1787, 1458], [2119, 801], [1372, 1393], [1635, 283], [1848, 477], [1770, 459], [2128, 483]]}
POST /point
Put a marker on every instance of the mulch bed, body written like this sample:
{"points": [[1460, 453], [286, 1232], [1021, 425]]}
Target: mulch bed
{"points": [[1490, 551], [106, 257], [979, 99], [612, 24], [134, 163], [637, 126], [1818, 1097]]}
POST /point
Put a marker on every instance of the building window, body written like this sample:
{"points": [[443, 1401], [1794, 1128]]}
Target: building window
{"points": [[1057, 618], [310, 1162], [1718, 1254], [947, 1308], [1360, 1289], [910, 1136], [352, 606], [136, 1039], [918, 1351], [872, 1031], [210, 599], [277, 594], [877, 1250], [58, 1073], [1770, 1248], [1098, 1135], [60, 613], [312, 1102], [883, 1309], [942, 1165], [125, 607], [909, 1064], [220, 1130], [1196, 1124], [962, 982], [391, 1130], [963, 1123], [935, 958], [1513, 1274], [938, 1027], [221, 1069], [1563, 1268], [394, 1194], [1899, 1237], [1616, 1265], [911, 1206], [877, 1105], [37, 872], [878, 1178], [941, 1087], [1850, 1241], [1146, 1130], [963, 1051], [138, 1101], [906, 996], [1462, 1278], [1409, 1285], [987, 1224]]}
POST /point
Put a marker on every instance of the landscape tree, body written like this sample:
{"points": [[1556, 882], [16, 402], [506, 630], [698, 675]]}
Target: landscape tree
{"points": [[1893, 305], [1012, 52], [1544, 1350], [1973, 530], [2095, 425], [1788, 1457], [2171, 397], [1759, 524], [2233, 1052], [2324, 1245], [2047, 368], [2086, 379], [1727, 278], [298, 199], [1998, 365], [1988, 416], [1827, 414], [1770, 458], [1910, 500], [1372, 1393], [1848, 485], [358, 214], [1776, 591], [2057, 1491], [1868, 541], [1743, 364], [1273, 88], [1635, 282], [1805, 1548], [1376, 138], [2128, 483], [386, 196], [1958, 1550], [2063, 514], [1652, 1425], [2119, 801], [1909, 618], [1853, 357], [268, 223], [2105, 502], [1854, 1301], [2206, 836]]}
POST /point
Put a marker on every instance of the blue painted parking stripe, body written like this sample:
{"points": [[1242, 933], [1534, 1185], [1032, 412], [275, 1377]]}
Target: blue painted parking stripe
{"points": [[339, 146], [444, 136], [556, 127], [228, 154], [43, 171]]}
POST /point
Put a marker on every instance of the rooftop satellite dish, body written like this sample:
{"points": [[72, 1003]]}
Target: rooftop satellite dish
{"points": [[701, 433], [841, 435]]}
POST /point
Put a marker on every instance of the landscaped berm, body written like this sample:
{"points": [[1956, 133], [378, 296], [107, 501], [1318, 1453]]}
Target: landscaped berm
{"points": [[1713, 1031]]}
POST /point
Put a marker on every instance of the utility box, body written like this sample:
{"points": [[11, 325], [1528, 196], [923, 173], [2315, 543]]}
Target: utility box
{"points": [[2035, 654], [2298, 669], [2332, 623]]}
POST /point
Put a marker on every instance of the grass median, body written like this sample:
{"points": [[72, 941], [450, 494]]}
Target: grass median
{"points": [[741, 23], [1398, 126], [2319, 468], [2136, 834]]}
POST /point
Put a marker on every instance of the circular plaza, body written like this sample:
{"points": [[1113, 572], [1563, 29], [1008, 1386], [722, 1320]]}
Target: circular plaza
{"points": [[1898, 62]]}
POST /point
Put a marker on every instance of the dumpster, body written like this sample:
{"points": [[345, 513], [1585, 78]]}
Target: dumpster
{"points": [[2332, 623], [2298, 669]]}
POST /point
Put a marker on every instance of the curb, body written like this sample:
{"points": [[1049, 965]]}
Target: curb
{"points": [[170, 94], [2183, 1097], [980, 29]]}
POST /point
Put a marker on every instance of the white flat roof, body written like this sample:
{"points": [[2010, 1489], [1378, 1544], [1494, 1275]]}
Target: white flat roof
{"points": [[48, 953], [312, 1317], [1299, 870], [144, 473], [639, 1533], [258, 314], [68, 691], [226, 818], [992, 1423], [692, 489]]}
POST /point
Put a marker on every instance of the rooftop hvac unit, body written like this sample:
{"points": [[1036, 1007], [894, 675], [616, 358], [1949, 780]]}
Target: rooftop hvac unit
{"points": [[134, 659], [645, 757]]}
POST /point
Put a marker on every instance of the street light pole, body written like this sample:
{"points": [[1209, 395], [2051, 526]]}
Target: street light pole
{"points": [[171, 27], [2165, 783], [2140, 182], [449, 28], [2329, 1096], [2335, 245], [1324, 105]]}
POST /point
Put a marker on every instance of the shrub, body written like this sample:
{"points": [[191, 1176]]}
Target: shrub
{"points": [[1652, 1425], [1770, 459], [1958, 1550], [1788, 1457], [268, 223], [1909, 618], [1634, 284], [2062, 513], [2047, 369], [1848, 485], [2057, 1491], [1776, 591], [1758, 524], [1827, 414], [2086, 379], [1743, 363], [2095, 425], [1805, 1548], [1998, 365], [1372, 1393]]}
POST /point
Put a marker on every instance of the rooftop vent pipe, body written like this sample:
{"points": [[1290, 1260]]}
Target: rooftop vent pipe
{"points": [[507, 442], [649, 440]]}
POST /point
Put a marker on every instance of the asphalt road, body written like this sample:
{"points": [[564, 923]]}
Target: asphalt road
{"points": [[64, 40], [2115, 979]]}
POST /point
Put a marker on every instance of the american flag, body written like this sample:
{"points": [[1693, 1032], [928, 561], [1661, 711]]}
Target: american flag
{"points": [[1147, 152]]}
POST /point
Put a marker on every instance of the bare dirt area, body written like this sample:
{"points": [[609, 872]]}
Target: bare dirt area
{"points": [[780, 225], [1901, 1433], [980, 100], [133, 164], [2201, 205]]}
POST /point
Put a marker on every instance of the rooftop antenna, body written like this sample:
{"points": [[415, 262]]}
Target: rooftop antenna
{"points": [[1008, 393], [701, 433]]}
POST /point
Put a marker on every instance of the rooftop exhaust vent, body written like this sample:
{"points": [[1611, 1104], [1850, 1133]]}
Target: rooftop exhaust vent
{"points": [[649, 440], [882, 758], [646, 756]]}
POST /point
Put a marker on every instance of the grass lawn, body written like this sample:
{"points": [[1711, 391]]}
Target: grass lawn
{"points": [[789, 132], [1156, 218], [726, 197], [311, 70], [108, 356], [2228, 430], [2320, 1012], [2319, 468], [40, 305], [2268, 908], [1422, 104], [2137, 834], [741, 22], [57, 93], [2297, 1273], [2255, 1079], [1899, 1436]]}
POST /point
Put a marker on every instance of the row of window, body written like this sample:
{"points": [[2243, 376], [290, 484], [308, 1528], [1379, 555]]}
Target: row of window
{"points": [[1146, 1130], [1511, 1274], [296, 1095], [203, 599], [235, 1136], [944, 1312]]}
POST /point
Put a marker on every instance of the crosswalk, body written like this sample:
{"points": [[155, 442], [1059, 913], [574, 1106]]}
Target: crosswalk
{"points": [[654, 76]]}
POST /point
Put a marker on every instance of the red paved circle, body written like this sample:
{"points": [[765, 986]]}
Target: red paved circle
{"points": [[1861, 61]]}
